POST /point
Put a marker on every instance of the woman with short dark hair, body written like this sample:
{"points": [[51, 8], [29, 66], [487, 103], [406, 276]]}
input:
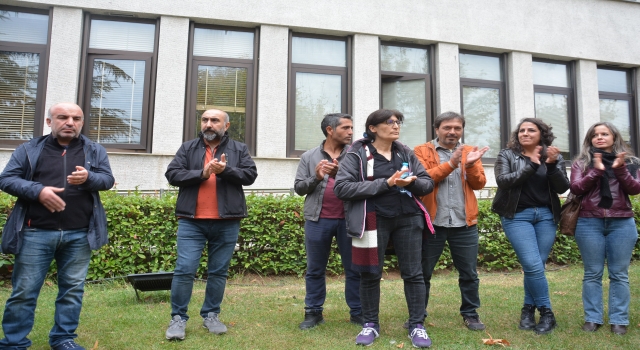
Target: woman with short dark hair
{"points": [[530, 174], [381, 205], [605, 174]]}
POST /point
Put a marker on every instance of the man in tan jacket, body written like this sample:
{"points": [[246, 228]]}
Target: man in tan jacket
{"points": [[457, 171]]}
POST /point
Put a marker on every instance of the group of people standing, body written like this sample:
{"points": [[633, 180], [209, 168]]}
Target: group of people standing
{"points": [[369, 194], [375, 192]]}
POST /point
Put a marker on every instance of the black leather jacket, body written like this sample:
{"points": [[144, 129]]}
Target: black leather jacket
{"points": [[185, 172], [512, 170]]}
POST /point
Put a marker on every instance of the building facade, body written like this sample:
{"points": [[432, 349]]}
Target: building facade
{"points": [[144, 71]]}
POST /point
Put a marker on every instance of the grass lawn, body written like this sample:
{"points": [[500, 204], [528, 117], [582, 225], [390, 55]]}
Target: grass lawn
{"points": [[264, 312]]}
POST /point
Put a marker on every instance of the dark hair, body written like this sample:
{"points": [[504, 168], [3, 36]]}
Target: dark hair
{"points": [[546, 136], [446, 116], [332, 120], [377, 117], [618, 145]]}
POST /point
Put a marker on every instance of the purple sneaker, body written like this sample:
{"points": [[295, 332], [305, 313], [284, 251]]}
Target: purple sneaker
{"points": [[369, 333], [419, 337]]}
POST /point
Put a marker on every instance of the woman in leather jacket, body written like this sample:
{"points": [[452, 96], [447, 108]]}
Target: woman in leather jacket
{"points": [[605, 173], [530, 174]]}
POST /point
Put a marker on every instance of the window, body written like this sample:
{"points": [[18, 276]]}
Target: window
{"points": [[483, 92], [24, 38], [117, 93], [553, 94], [406, 86], [318, 83], [222, 76], [617, 102]]}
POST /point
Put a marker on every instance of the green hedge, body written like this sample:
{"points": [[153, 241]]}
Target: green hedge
{"points": [[271, 241]]}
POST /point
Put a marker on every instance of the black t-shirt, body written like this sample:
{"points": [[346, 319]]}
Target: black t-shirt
{"points": [[392, 203], [535, 191], [54, 164]]}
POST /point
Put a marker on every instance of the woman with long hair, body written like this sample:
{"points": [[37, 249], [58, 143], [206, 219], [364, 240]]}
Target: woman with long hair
{"points": [[379, 180], [605, 173], [530, 174]]}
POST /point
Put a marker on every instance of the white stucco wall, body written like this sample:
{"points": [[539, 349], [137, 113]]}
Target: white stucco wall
{"points": [[587, 95], [272, 92], [521, 102], [447, 78], [168, 115], [64, 58], [599, 30], [366, 86]]}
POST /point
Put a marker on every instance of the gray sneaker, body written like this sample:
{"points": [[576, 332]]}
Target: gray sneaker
{"points": [[176, 328], [213, 324]]}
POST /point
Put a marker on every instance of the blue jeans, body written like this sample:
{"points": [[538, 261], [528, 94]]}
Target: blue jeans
{"points": [[463, 245], [70, 249], [532, 233], [406, 233], [220, 237], [317, 238], [613, 240]]}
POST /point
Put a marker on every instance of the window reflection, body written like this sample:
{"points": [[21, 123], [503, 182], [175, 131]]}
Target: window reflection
{"points": [[482, 117], [117, 92]]}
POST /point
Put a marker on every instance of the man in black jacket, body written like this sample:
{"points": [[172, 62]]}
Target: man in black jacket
{"points": [[210, 172], [58, 216]]}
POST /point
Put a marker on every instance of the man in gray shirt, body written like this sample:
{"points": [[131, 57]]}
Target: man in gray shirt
{"points": [[457, 171], [324, 215]]}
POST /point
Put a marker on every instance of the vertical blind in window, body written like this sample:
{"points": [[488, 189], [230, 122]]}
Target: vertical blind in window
{"points": [[122, 36], [320, 52], [20, 27], [18, 87], [222, 43], [117, 92], [223, 88]]}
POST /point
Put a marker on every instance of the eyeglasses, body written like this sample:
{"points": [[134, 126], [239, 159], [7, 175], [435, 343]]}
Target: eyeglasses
{"points": [[390, 122]]}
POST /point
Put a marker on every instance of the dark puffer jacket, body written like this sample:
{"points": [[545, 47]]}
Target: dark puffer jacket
{"points": [[512, 170], [587, 184]]}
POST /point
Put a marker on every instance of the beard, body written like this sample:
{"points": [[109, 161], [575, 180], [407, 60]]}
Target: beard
{"points": [[211, 134]]}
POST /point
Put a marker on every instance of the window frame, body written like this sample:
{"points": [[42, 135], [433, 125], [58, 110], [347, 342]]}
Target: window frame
{"points": [[190, 127], [502, 86], [572, 122], [429, 79], [631, 97], [43, 71], [346, 83], [89, 55]]}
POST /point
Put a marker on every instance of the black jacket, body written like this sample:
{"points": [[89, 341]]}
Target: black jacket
{"points": [[512, 170], [185, 172]]}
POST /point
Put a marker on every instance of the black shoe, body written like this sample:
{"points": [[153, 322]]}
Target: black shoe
{"points": [[473, 322], [311, 319], [357, 319], [591, 326], [618, 329], [547, 321], [528, 318]]}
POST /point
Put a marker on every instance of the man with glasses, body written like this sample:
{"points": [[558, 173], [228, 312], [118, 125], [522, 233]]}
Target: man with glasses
{"points": [[457, 170], [210, 171], [324, 215]]}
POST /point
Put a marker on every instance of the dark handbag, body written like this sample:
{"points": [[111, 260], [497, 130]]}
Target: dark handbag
{"points": [[569, 214]]}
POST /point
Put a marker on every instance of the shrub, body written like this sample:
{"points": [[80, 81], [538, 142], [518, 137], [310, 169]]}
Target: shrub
{"points": [[142, 234]]}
